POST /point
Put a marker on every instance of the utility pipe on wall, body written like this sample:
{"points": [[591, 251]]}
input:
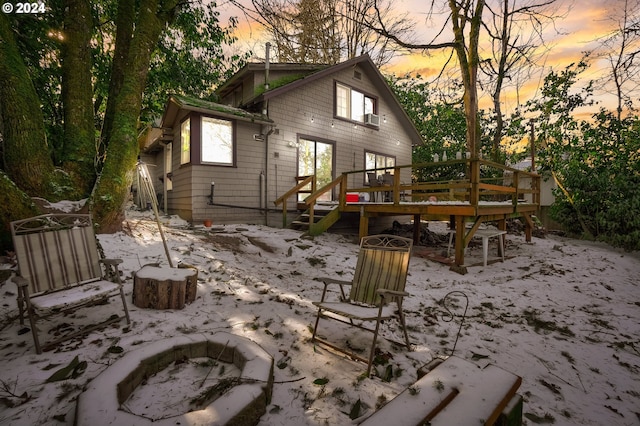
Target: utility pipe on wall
{"points": [[265, 111]]}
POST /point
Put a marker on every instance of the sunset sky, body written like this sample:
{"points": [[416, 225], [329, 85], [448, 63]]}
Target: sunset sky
{"points": [[582, 23]]}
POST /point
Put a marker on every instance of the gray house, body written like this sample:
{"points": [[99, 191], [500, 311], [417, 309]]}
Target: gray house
{"points": [[227, 162]]}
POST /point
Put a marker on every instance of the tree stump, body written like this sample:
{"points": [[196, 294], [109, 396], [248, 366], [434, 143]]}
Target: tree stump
{"points": [[156, 287]]}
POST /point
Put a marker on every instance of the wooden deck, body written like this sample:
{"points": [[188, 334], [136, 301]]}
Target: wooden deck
{"points": [[459, 216], [506, 193]]}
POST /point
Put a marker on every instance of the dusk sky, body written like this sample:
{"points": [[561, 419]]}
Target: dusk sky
{"points": [[577, 31]]}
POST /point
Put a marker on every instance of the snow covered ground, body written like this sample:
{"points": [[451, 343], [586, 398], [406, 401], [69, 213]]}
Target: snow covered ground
{"points": [[561, 313]]}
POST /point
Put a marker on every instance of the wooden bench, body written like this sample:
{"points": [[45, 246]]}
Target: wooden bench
{"points": [[60, 270], [455, 392], [485, 234]]}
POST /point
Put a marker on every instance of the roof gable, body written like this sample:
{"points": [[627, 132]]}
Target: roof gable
{"points": [[367, 65]]}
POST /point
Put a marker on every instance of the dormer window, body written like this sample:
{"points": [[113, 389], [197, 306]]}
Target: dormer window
{"points": [[352, 104]]}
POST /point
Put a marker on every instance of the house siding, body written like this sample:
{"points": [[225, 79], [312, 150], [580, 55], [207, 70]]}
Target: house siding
{"points": [[234, 186], [293, 112], [266, 167]]}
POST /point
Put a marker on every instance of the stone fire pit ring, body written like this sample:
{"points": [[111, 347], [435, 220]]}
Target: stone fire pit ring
{"points": [[243, 404]]}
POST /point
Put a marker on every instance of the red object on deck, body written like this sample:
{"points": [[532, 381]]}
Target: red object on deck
{"points": [[352, 198]]}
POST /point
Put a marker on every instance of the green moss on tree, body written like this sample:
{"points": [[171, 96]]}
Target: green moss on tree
{"points": [[14, 205]]}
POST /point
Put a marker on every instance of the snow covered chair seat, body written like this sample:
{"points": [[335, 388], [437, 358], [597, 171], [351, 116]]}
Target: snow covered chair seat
{"points": [[455, 392], [379, 278], [59, 270]]}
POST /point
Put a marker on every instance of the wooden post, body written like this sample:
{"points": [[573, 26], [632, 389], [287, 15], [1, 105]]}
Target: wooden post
{"points": [[364, 224], [460, 230], [516, 185], [475, 181], [416, 228], [502, 225], [396, 186]]}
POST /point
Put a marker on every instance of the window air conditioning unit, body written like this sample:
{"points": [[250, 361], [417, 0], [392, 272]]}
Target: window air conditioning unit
{"points": [[372, 120]]}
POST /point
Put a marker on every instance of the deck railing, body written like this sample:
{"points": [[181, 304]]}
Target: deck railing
{"points": [[480, 180]]}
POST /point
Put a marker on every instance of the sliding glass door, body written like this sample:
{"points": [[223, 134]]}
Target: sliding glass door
{"points": [[316, 158]]}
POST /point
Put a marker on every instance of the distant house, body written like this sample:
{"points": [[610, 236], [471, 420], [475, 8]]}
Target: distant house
{"points": [[229, 161], [547, 187]]}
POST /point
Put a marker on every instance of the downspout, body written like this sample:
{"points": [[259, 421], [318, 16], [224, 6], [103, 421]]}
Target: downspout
{"points": [[265, 111]]}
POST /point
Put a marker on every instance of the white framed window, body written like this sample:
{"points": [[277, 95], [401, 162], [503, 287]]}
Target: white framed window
{"points": [[217, 141], [343, 101], [185, 141], [352, 104]]}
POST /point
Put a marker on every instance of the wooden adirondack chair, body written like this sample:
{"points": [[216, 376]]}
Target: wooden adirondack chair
{"points": [[60, 270], [379, 278]]}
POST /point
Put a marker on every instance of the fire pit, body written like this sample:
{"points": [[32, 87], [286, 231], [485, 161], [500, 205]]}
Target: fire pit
{"points": [[243, 404]]}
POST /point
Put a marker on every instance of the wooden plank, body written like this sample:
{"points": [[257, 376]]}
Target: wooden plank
{"points": [[456, 392]]}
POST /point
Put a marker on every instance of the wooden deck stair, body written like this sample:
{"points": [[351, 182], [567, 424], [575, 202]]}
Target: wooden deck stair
{"points": [[323, 219]]}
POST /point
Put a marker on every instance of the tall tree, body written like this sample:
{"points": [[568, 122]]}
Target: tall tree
{"points": [[621, 49], [55, 72], [79, 146], [515, 31], [558, 128], [27, 158], [112, 190], [473, 27], [328, 31], [465, 19]]}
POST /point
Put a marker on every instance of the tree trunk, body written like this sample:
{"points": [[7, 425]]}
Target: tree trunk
{"points": [[469, 67], [27, 158], [124, 33], [502, 70], [79, 151], [112, 189], [14, 205]]}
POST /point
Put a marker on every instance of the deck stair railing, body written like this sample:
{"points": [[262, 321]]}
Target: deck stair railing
{"points": [[299, 188]]}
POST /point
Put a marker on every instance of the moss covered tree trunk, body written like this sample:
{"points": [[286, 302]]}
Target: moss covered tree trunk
{"points": [[79, 152], [113, 186], [14, 205], [27, 158], [124, 33]]}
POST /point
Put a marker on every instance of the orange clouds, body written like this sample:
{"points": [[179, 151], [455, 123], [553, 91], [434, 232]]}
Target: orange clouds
{"points": [[578, 30]]}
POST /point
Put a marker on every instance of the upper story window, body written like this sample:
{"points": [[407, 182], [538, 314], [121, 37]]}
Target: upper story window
{"points": [[352, 104], [217, 141], [185, 141]]}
